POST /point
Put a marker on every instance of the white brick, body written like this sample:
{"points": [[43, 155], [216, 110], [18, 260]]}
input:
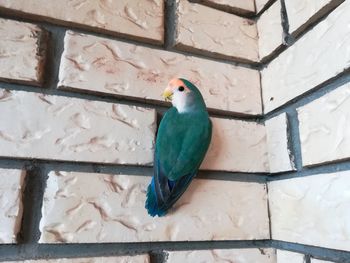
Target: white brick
{"points": [[11, 187], [301, 13], [312, 210], [119, 259], [241, 6], [313, 260], [88, 207], [260, 4], [270, 30], [235, 144], [132, 18], [35, 125], [280, 157], [21, 52], [284, 256], [200, 28], [321, 54], [113, 67], [325, 128], [245, 255]]}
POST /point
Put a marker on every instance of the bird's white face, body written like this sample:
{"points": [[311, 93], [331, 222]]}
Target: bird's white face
{"points": [[178, 93]]}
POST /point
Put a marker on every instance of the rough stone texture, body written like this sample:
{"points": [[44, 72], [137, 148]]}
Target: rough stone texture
{"points": [[11, 184], [280, 157], [120, 259], [324, 126], [260, 4], [284, 256], [312, 210], [246, 255], [21, 52], [132, 18], [270, 30], [301, 12], [199, 28], [302, 66], [35, 125], [241, 6], [235, 144], [113, 67], [88, 207]]}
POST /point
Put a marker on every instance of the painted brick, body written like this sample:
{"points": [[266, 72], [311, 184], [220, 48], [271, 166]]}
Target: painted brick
{"points": [[302, 13], [235, 144], [245, 255], [260, 4], [11, 184], [240, 6], [312, 210], [88, 207], [61, 128], [284, 256], [22, 48], [270, 30], [120, 259], [325, 128], [319, 55], [313, 260], [280, 157], [199, 29], [134, 19], [113, 67]]}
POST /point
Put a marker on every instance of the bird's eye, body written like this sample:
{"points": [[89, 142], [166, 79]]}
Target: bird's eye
{"points": [[181, 88]]}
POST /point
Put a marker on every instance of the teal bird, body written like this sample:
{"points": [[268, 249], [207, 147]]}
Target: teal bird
{"points": [[183, 139]]}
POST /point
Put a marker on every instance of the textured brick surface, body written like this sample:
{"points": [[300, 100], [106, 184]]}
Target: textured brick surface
{"points": [[325, 127], [260, 4], [113, 67], [243, 6], [318, 56], [87, 207], [61, 128], [201, 28], [235, 144], [280, 157], [21, 52], [120, 259], [270, 30], [312, 210], [301, 12], [133, 18], [284, 256], [248, 255], [11, 184], [313, 260]]}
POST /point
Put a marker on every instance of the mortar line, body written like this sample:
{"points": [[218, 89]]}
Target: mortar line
{"points": [[322, 253]]}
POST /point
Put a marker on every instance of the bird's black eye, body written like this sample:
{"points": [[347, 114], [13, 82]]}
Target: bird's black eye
{"points": [[181, 88]]}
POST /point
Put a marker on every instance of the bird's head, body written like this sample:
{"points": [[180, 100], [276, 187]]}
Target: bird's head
{"points": [[184, 95]]}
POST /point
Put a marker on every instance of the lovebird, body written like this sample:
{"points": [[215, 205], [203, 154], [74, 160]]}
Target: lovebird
{"points": [[183, 139]]}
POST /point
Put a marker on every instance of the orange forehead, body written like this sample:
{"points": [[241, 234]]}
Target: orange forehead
{"points": [[174, 83]]}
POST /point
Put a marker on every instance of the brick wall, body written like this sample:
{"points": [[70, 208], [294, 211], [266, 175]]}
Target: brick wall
{"points": [[80, 85]]}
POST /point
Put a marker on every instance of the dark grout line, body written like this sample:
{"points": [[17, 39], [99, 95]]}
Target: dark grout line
{"points": [[37, 251], [266, 7], [294, 138], [332, 167], [226, 8], [170, 22], [287, 38], [88, 167], [313, 251], [32, 197]]}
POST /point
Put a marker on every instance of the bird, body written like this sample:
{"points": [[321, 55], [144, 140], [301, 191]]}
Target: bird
{"points": [[183, 138]]}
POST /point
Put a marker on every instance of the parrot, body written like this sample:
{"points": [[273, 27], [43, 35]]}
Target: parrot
{"points": [[183, 138]]}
